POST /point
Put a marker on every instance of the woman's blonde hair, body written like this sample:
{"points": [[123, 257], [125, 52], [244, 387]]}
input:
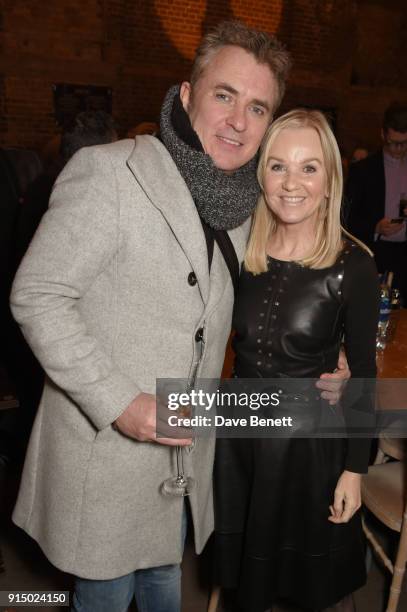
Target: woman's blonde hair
{"points": [[329, 232]]}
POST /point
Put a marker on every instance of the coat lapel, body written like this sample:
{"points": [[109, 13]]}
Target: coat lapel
{"points": [[158, 176]]}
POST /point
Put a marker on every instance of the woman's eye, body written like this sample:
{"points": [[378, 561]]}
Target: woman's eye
{"points": [[310, 169], [277, 167]]}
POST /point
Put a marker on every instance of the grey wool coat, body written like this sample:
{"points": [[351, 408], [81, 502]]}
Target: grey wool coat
{"points": [[103, 299]]}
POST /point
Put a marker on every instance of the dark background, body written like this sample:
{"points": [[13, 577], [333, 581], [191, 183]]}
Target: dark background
{"points": [[350, 56]]}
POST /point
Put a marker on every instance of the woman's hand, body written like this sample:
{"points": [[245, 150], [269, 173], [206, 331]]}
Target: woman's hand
{"points": [[347, 498]]}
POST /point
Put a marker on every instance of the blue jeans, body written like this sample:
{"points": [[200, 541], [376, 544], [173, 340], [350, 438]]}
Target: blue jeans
{"points": [[156, 589]]}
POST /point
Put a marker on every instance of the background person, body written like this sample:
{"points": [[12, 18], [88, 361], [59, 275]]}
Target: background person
{"points": [[287, 522], [373, 192]]}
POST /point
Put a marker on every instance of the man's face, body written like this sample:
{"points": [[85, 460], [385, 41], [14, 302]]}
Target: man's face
{"points": [[230, 106], [395, 143]]}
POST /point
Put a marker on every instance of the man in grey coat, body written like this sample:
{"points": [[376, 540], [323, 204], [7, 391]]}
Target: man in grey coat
{"points": [[129, 278]]}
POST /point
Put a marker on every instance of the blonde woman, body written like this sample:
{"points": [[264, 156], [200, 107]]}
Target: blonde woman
{"points": [[288, 525]]}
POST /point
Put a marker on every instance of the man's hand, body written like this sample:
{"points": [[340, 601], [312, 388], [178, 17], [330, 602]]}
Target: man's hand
{"points": [[347, 499], [332, 385], [139, 421], [386, 228]]}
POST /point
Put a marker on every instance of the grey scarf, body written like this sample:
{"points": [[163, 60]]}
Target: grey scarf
{"points": [[223, 200]]}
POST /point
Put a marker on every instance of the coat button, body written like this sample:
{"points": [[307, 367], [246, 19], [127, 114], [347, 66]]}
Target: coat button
{"points": [[199, 335], [192, 279]]}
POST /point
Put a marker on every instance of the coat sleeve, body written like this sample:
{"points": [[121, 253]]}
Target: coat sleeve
{"points": [[77, 239]]}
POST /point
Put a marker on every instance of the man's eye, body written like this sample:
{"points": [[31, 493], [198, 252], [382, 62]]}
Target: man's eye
{"points": [[258, 110], [223, 97]]}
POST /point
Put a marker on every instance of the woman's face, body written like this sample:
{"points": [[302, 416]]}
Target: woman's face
{"points": [[295, 182]]}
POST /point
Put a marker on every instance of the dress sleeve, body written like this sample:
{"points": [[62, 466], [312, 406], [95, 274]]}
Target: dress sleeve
{"points": [[361, 299]]}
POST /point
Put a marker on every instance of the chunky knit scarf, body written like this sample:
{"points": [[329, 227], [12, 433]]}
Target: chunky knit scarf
{"points": [[223, 200]]}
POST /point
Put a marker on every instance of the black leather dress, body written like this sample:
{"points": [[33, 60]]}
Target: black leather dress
{"points": [[272, 496]]}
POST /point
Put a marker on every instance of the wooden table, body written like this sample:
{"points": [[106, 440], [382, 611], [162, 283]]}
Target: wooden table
{"points": [[392, 362], [392, 373]]}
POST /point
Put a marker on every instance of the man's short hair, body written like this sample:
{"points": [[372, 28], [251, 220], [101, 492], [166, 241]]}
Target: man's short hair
{"points": [[395, 118], [263, 46], [86, 129]]}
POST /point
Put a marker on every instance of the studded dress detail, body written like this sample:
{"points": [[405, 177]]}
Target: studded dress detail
{"points": [[272, 496]]}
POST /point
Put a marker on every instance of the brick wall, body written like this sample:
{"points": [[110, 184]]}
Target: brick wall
{"points": [[140, 47]]}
